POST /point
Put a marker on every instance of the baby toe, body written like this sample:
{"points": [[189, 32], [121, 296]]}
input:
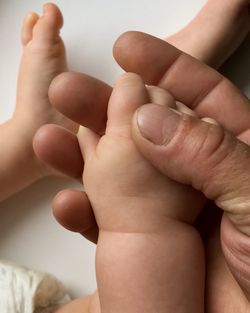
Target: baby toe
{"points": [[48, 26], [27, 28]]}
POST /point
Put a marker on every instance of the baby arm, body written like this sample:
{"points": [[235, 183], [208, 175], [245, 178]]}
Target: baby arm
{"points": [[148, 254]]}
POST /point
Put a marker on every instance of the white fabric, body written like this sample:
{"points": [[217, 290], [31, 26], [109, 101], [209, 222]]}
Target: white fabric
{"points": [[26, 291]]}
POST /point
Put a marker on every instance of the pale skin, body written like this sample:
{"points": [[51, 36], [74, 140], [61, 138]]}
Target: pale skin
{"points": [[142, 216], [219, 277], [37, 169], [43, 58]]}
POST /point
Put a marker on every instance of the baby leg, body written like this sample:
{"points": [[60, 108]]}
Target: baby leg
{"points": [[43, 59]]}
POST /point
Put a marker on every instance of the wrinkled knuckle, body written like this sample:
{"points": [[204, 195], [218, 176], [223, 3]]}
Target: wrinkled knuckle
{"points": [[179, 144], [212, 143], [200, 140], [203, 147], [214, 159]]}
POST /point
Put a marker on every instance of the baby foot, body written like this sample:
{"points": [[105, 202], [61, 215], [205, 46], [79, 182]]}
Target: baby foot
{"points": [[43, 59]]}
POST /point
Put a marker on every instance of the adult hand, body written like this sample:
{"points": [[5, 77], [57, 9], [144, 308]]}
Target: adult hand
{"points": [[202, 154], [88, 96], [209, 94], [208, 91]]}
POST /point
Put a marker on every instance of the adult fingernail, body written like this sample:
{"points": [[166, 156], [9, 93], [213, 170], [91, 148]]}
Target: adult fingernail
{"points": [[157, 124]]}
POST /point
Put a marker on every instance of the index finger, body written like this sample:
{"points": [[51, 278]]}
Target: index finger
{"points": [[191, 82]]}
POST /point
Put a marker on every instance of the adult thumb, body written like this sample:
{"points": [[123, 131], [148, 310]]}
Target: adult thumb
{"points": [[198, 153]]}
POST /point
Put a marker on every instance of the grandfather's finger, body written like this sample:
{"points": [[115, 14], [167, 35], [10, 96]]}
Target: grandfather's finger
{"points": [[197, 153], [73, 211], [59, 148], [81, 98], [191, 82], [205, 156]]}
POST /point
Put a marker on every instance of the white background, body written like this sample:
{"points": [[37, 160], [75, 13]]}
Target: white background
{"points": [[28, 233]]}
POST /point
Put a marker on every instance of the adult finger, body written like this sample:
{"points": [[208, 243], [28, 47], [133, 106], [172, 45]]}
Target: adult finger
{"points": [[191, 82], [81, 98], [231, 24], [197, 153], [73, 211], [205, 156], [59, 148]]}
